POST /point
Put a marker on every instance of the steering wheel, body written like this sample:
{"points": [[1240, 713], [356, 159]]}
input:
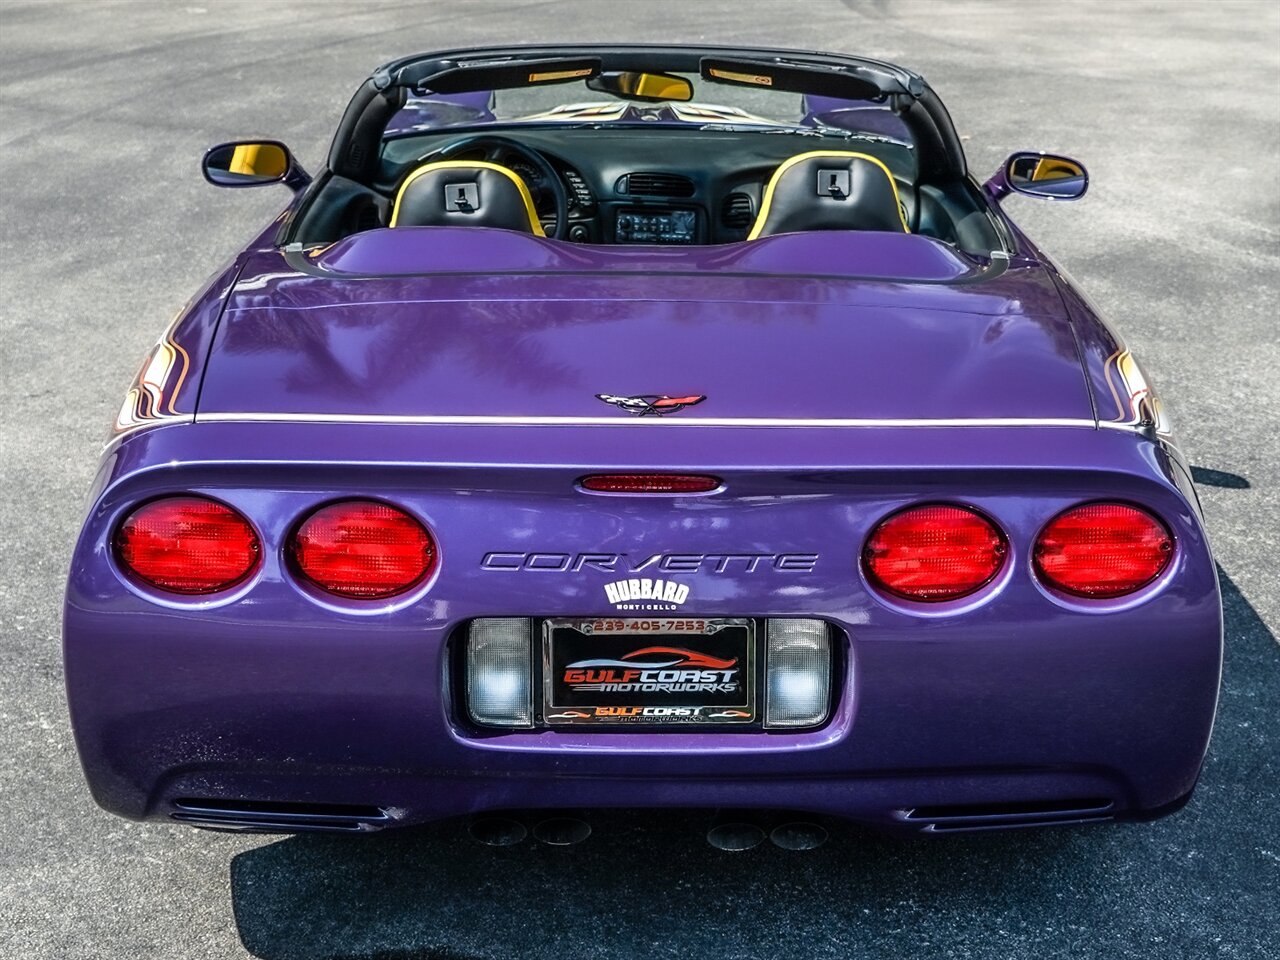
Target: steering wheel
{"points": [[495, 148]]}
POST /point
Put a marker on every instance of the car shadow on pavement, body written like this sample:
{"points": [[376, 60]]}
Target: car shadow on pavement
{"points": [[647, 883], [1208, 477]]}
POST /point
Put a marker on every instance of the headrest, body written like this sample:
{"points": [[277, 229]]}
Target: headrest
{"points": [[830, 190], [465, 193]]}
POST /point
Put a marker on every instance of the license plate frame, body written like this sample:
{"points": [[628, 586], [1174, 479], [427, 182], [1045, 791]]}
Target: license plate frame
{"points": [[684, 646]]}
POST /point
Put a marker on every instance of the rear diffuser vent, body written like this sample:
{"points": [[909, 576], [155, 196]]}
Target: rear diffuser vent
{"points": [[272, 817], [737, 211], [655, 185], [1003, 816]]}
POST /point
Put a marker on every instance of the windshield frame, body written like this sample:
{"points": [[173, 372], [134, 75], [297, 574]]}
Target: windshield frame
{"points": [[356, 145]]}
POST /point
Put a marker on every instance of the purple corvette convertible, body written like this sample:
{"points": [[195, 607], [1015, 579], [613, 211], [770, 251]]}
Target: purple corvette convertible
{"points": [[642, 426]]}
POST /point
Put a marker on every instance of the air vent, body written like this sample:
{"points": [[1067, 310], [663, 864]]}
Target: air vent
{"points": [[579, 192], [737, 211], [1003, 816], [251, 816], [655, 185]]}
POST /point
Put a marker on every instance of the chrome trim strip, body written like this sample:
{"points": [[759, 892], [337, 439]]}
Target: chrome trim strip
{"points": [[515, 421], [123, 433]]}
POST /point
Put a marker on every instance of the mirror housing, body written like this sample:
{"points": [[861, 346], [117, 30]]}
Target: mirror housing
{"points": [[1044, 175], [645, 87], [253, 163]]}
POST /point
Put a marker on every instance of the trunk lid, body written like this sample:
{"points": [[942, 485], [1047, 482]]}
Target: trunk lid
{"points": [[522, 345]]}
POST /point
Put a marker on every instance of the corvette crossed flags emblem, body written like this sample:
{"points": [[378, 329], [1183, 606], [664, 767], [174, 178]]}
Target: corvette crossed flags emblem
{"points": [[651, 405]]}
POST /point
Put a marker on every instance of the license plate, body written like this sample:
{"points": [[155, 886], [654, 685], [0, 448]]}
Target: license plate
{"points": [[649, 671]]}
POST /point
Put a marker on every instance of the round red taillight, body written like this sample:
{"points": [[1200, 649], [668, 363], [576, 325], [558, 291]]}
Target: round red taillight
{"points": [[187, 545], [363, 550], [933, 553], [1102, 550], [650, 483]]}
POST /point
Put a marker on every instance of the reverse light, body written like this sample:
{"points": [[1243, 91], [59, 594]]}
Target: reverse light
{"points": [[187, 544], [500, 671], [363, 550], [798, 673], [1102, 550], [933, 553], [650, 483]]}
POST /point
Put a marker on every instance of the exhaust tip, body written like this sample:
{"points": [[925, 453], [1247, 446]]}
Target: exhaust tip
{"points": [[735, 837], [798, 835], [562, 831], [497, 831]]}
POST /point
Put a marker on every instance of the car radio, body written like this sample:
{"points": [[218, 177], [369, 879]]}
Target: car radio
{"points": [[661, 226]]}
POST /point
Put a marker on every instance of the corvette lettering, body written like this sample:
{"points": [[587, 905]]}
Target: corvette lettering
{"points": [[726, 563]]}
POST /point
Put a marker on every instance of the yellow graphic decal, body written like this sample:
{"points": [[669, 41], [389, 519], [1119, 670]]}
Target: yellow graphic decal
{"points": [[150, 399], [559, 75], [757, 79], [1136, 402]]}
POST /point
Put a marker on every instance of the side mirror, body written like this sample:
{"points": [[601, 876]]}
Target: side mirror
{"points": [[252, 163], [646, 87], [1039, 175]]}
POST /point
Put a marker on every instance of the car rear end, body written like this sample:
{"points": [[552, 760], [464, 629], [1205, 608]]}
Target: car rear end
{"points": [[919, 627]]}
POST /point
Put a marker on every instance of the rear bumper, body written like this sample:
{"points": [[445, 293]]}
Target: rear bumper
{"points": [[1108, 718]]}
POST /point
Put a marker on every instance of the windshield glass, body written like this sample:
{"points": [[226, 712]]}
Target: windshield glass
{"points": [[714, 105]]}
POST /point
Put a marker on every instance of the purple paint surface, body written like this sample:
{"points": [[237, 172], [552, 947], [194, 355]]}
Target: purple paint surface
{"points": [[454, 373]]}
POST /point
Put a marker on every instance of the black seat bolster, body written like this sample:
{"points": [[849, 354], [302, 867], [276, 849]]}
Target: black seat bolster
{"points": [[830, 190], [458, 193]]}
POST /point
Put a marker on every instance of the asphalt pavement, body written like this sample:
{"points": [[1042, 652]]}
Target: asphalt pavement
{"points": [[106, 228]]}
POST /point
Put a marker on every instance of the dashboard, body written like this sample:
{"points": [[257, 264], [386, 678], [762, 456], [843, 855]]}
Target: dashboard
{"points": [[661, 185], [661, 207], [655, 186]]}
